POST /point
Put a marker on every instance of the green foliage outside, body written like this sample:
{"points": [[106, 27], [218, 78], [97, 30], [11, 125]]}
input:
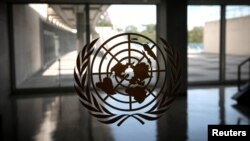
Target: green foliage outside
{"points": [[104, 23], [132, 29], [195, 35], [149, 31]]}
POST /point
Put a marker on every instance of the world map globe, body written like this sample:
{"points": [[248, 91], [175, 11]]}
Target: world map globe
{"points": [[126, 72]]}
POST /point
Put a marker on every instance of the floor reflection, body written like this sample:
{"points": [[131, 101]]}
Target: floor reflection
{"points": [[60, 117], [212, 106]]}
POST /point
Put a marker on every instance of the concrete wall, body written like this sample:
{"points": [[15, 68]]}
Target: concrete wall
{"points": [[237, 36], [211, 37], [56, 42], [36, 42], [27, 42]]}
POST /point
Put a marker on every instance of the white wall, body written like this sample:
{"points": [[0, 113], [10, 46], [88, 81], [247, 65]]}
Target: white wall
{"points": [[211, 37], [27, 42], [237, 36]]}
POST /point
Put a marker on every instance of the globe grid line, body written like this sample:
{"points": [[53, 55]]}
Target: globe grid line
{"points": [[103, 73]]}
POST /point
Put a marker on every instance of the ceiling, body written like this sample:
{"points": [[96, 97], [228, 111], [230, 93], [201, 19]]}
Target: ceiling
{"points": [[66, 13]]}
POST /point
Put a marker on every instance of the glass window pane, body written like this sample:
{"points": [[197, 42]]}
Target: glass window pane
{"points": [[113, 19], [45, 44], [203, 43]]}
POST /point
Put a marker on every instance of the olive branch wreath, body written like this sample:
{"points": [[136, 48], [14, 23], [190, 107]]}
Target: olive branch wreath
{"points": [[88, 100]]}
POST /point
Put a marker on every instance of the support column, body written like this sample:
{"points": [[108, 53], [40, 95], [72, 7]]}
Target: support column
{"points": [[81, 29], [222, 44], [172, 25], [176, 29]]}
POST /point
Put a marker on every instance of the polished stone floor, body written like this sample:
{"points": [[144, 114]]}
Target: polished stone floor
{"points": [[60, 117]]}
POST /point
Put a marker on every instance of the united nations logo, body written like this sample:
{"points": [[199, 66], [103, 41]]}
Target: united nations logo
{"points": [[127, 76]]}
